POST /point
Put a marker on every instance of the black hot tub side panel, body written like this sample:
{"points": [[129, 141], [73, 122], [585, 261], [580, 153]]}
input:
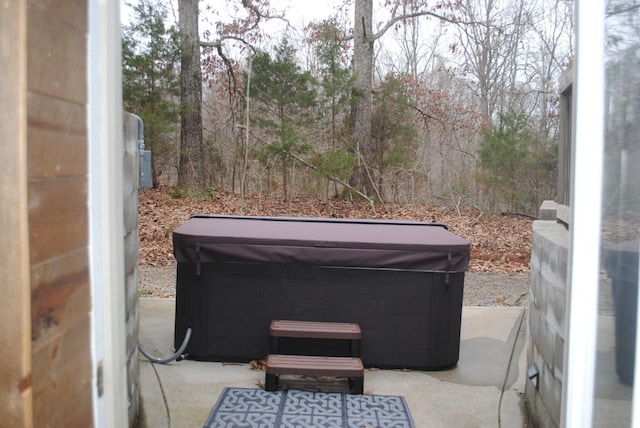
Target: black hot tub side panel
{"points": [[409, 319]]}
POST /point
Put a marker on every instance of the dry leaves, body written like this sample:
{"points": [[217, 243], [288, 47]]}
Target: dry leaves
{"points": [[499, 244], [258, 365], [501, 298]]}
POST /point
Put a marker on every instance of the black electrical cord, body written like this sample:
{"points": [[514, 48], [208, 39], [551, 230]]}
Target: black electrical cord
{"points": [[506, 375], [164, 396], [177, 356]]}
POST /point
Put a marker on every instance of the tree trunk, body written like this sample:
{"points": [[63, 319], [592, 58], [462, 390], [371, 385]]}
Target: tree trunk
{"points": [[191, 174], [361, 92]]}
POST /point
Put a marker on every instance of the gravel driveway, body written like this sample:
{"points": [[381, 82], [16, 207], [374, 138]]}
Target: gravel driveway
{"points": [[480, 289]]}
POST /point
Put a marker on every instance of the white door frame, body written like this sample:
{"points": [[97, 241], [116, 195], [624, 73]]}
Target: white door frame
{"points": [[106, 218]]}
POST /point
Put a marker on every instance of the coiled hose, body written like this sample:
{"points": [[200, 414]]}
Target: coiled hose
{"points": [[176, 356]]}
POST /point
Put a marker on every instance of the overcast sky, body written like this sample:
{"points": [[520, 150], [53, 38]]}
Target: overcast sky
{"points": [[305, 11], [298, 12]]}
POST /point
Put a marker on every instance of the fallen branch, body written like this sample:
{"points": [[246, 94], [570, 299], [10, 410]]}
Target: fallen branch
{"points": [[508, 213], [337, 180], [332, 178]]}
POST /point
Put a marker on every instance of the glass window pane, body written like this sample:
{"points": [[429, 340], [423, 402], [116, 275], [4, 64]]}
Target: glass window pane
{"points": [[620, 217]]}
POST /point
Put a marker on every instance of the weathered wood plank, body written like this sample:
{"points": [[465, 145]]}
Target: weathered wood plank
{"points": [[57, 135], [62, 378], [60, 296], [53, 114], [72, 12], [15, 370], [58, 219], [57, 56], [52, 154]]}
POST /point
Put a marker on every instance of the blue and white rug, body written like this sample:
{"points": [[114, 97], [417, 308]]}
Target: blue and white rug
{"points": [[241, 407]]}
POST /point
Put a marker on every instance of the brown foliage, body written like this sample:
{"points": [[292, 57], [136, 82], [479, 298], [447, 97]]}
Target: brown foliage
{"points": [[500, 244]]}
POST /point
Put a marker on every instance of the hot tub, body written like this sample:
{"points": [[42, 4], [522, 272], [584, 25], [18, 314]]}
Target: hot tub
{"points": [[401, 281]]}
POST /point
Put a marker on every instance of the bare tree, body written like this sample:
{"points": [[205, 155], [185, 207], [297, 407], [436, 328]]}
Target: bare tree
{"points": [[191, 165], [548, 57], [363, 63], [363, 39], [192, 173], [491, 50]]}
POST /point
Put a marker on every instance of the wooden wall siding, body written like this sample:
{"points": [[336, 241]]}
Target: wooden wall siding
{"points": [[58, 220], [57, 51], [57, 138], [15, 369]]}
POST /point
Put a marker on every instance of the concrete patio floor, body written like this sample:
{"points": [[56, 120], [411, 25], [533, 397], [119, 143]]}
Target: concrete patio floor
{"points": [[492, 357]]}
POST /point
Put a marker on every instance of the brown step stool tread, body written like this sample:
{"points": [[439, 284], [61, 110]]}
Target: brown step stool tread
{"points": [[306, 365], [311, 365], [315, 330]]}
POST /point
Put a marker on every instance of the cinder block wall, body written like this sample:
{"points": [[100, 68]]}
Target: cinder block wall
{"points": [[547, 318], [130, 180]]}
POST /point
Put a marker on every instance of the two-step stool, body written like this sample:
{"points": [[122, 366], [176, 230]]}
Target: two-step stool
{"points": [[311, 365]]}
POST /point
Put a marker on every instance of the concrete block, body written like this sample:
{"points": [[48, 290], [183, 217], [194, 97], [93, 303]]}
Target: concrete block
{"points": [[130, 207], [545, 341], [554, 267], [130, 220], [534, 263], [551, 231], [564, 214], [539, 291], [133, 329], [547, 317], [131, 294], [539, 414], [548, 210], [131, 252], [558, 358], [551, 392], [535, 274], [557, 309], [545, 296], [534, 322], [131, 169], [133, 385]]}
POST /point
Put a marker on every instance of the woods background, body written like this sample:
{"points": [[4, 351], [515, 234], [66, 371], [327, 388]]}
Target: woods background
{"points": [[463, 99]]}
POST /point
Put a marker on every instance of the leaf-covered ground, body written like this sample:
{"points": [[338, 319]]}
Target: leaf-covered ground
{"points": [[499, 244]]}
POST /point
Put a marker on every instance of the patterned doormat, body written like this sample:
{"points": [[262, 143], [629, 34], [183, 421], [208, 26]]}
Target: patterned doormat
{"points": [[241, 407]]}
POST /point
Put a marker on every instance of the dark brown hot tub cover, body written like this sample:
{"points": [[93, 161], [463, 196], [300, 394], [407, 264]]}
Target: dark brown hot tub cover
{"points": [[376, 244]]}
